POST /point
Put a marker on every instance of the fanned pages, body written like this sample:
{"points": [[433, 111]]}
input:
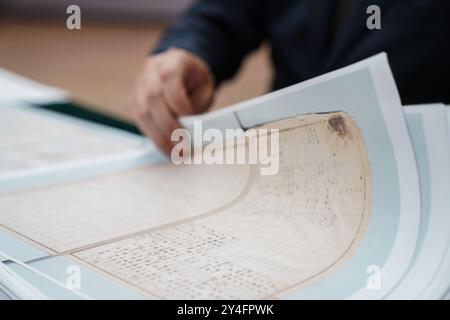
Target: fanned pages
{"points": [[255, 236]]}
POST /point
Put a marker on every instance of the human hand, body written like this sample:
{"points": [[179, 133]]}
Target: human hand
{"points": [[171, 84]]}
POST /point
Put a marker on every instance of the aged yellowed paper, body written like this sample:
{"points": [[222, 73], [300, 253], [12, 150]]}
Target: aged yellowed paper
{"points": [[221, 231]]}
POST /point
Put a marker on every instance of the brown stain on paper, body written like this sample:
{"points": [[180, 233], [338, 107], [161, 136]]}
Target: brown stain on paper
{"points": [[338, 125]]}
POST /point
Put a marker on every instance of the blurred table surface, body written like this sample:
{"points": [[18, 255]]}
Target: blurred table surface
{"points": [[98, 64]]}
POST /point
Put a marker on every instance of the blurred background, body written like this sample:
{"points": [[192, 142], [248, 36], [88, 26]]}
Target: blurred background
{"points": [[98, 64]]}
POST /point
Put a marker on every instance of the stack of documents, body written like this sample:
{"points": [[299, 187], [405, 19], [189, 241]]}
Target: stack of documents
{"points": [[357, 210]]}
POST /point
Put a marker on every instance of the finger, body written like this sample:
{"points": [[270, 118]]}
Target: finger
{"points": [[163, 118], [175, 94], [146, 124], [143, 102]]}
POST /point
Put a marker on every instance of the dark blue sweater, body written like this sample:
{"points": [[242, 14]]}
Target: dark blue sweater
{"points": [[305, 40]]}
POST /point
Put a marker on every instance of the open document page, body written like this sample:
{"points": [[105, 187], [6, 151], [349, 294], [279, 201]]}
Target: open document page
{"points": [[17, 87], [38, 146], [345, 198], [268, 233]]}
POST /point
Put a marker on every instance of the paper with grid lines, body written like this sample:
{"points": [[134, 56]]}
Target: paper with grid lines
{"points": [[215, 231]]}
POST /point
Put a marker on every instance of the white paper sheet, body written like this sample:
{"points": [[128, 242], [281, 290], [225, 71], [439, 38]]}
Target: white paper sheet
{"points": [[43, 147], [18, 88]]}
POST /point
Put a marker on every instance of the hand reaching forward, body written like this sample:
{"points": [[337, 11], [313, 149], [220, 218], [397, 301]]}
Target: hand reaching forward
{"points": [[171, 84]]}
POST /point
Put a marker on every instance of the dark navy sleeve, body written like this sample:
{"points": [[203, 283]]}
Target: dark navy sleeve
{"points": [[221, 32]]}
